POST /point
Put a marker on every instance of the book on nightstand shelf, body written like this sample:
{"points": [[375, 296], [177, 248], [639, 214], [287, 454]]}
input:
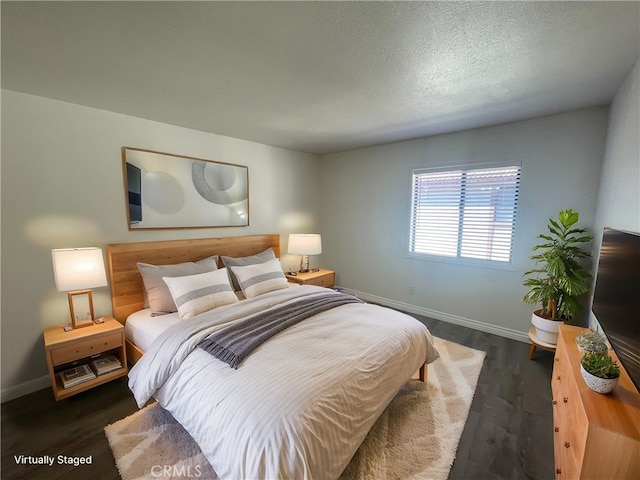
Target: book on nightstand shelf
{"points": [[76, 375], [106, 364]]}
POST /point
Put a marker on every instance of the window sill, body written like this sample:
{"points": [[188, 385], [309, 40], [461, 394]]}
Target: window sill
{"points": [[463, 262]]}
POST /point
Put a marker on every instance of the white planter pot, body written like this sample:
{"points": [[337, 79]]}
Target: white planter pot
{"points": [[546, 330], [583, 350], [588, 342], [597, 384]]}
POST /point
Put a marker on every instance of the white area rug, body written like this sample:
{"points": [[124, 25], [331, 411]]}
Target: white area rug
{"points": [[416, 437]]}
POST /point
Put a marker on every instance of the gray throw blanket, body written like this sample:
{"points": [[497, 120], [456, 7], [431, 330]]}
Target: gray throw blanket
{"points": [[234, 343]]}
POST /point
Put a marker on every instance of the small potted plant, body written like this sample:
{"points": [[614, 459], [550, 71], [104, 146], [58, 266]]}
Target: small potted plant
{"points": [[559, 278], [592, 342], [600, 372]]}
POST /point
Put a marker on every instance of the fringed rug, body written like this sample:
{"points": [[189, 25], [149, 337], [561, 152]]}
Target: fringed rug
{"points": [[416, 437]]}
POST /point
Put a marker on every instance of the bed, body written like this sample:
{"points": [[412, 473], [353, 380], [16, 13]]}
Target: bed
{"points": [[302, 402]]}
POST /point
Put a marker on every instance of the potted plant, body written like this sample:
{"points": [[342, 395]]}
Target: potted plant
{"points": [[559, 278], [592, 342], [600, 372]]}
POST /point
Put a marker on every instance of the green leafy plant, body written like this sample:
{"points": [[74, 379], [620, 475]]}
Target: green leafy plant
{"points": [[559, 278], [590, 341], [602, 366]]}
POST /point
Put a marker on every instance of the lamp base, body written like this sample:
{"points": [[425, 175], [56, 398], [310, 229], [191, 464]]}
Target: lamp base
{"points": [[304, 264]]}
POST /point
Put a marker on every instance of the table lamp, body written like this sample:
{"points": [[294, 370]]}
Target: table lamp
{"points": [[76, 271], [305, 244]]}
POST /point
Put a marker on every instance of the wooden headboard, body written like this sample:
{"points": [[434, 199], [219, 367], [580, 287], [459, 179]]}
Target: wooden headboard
{"points": [[126, 282]]}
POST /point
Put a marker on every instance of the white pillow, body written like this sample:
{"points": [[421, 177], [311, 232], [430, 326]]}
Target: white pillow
{"points": [[156, 294], [200, 293], [260, 278]]}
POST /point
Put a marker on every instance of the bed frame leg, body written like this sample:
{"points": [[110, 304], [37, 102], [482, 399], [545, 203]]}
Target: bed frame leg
{"points": [[423, 372]]}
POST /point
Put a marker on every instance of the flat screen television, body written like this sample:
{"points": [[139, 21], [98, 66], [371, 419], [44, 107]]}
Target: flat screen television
{"points": [[616, 298], [134, 186]]}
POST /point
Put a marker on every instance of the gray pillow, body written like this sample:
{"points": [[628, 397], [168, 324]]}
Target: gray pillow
{"points": [[159, 297], [244, 261]]}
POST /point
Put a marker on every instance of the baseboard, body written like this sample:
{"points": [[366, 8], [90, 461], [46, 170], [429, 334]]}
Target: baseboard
{"points": [[445, 317], [25, 388]]}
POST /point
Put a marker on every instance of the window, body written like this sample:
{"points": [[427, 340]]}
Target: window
{"points": [[465, 212]]}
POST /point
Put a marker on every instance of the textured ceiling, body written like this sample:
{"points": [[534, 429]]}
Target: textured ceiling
{"points": [[322, 76]]}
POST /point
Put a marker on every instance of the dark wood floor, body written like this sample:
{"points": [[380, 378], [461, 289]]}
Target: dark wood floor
{"points": [[508, 434]]}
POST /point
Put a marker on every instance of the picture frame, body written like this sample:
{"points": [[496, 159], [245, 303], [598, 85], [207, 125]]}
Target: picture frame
{"points": [[164, 190], [81, 308]]}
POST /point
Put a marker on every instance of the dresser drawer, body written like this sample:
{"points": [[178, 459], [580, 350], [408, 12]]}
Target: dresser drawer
{"points": [[561, 376], [566, 463], [82, 349], [568, 436]]}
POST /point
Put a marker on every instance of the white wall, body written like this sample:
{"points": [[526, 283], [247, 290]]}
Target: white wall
{"points": [[366, 216], [62, 186], [619, 201], [619, 196]]}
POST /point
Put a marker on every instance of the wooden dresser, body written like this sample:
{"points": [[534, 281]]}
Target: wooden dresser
{"points": [[595, 436]]}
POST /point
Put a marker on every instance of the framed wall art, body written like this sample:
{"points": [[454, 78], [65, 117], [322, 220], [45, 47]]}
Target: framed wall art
{"points": [[164, 190]]}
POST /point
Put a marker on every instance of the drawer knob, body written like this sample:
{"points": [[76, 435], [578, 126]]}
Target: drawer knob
{"points": [[567, 444], [556, 429], [555, 402], [558, 471]]}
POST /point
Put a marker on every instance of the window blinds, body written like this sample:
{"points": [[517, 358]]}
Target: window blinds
{"points": [[465, 212]]}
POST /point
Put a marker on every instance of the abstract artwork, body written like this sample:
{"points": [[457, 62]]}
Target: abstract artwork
{"points": [[164, 190]]}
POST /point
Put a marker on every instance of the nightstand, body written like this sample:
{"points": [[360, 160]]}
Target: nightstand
{"points": [[321, 278], [65, 350]]}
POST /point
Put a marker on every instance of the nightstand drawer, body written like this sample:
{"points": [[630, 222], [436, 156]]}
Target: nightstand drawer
{"points": [[323, 281], [319, 278], [91, 346]]}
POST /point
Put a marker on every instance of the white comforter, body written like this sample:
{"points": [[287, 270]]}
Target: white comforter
{"points": [[301, 404]]}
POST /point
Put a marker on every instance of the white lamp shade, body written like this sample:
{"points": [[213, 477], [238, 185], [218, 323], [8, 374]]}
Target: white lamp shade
{"points": [[305, 244], [78, 268]]}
